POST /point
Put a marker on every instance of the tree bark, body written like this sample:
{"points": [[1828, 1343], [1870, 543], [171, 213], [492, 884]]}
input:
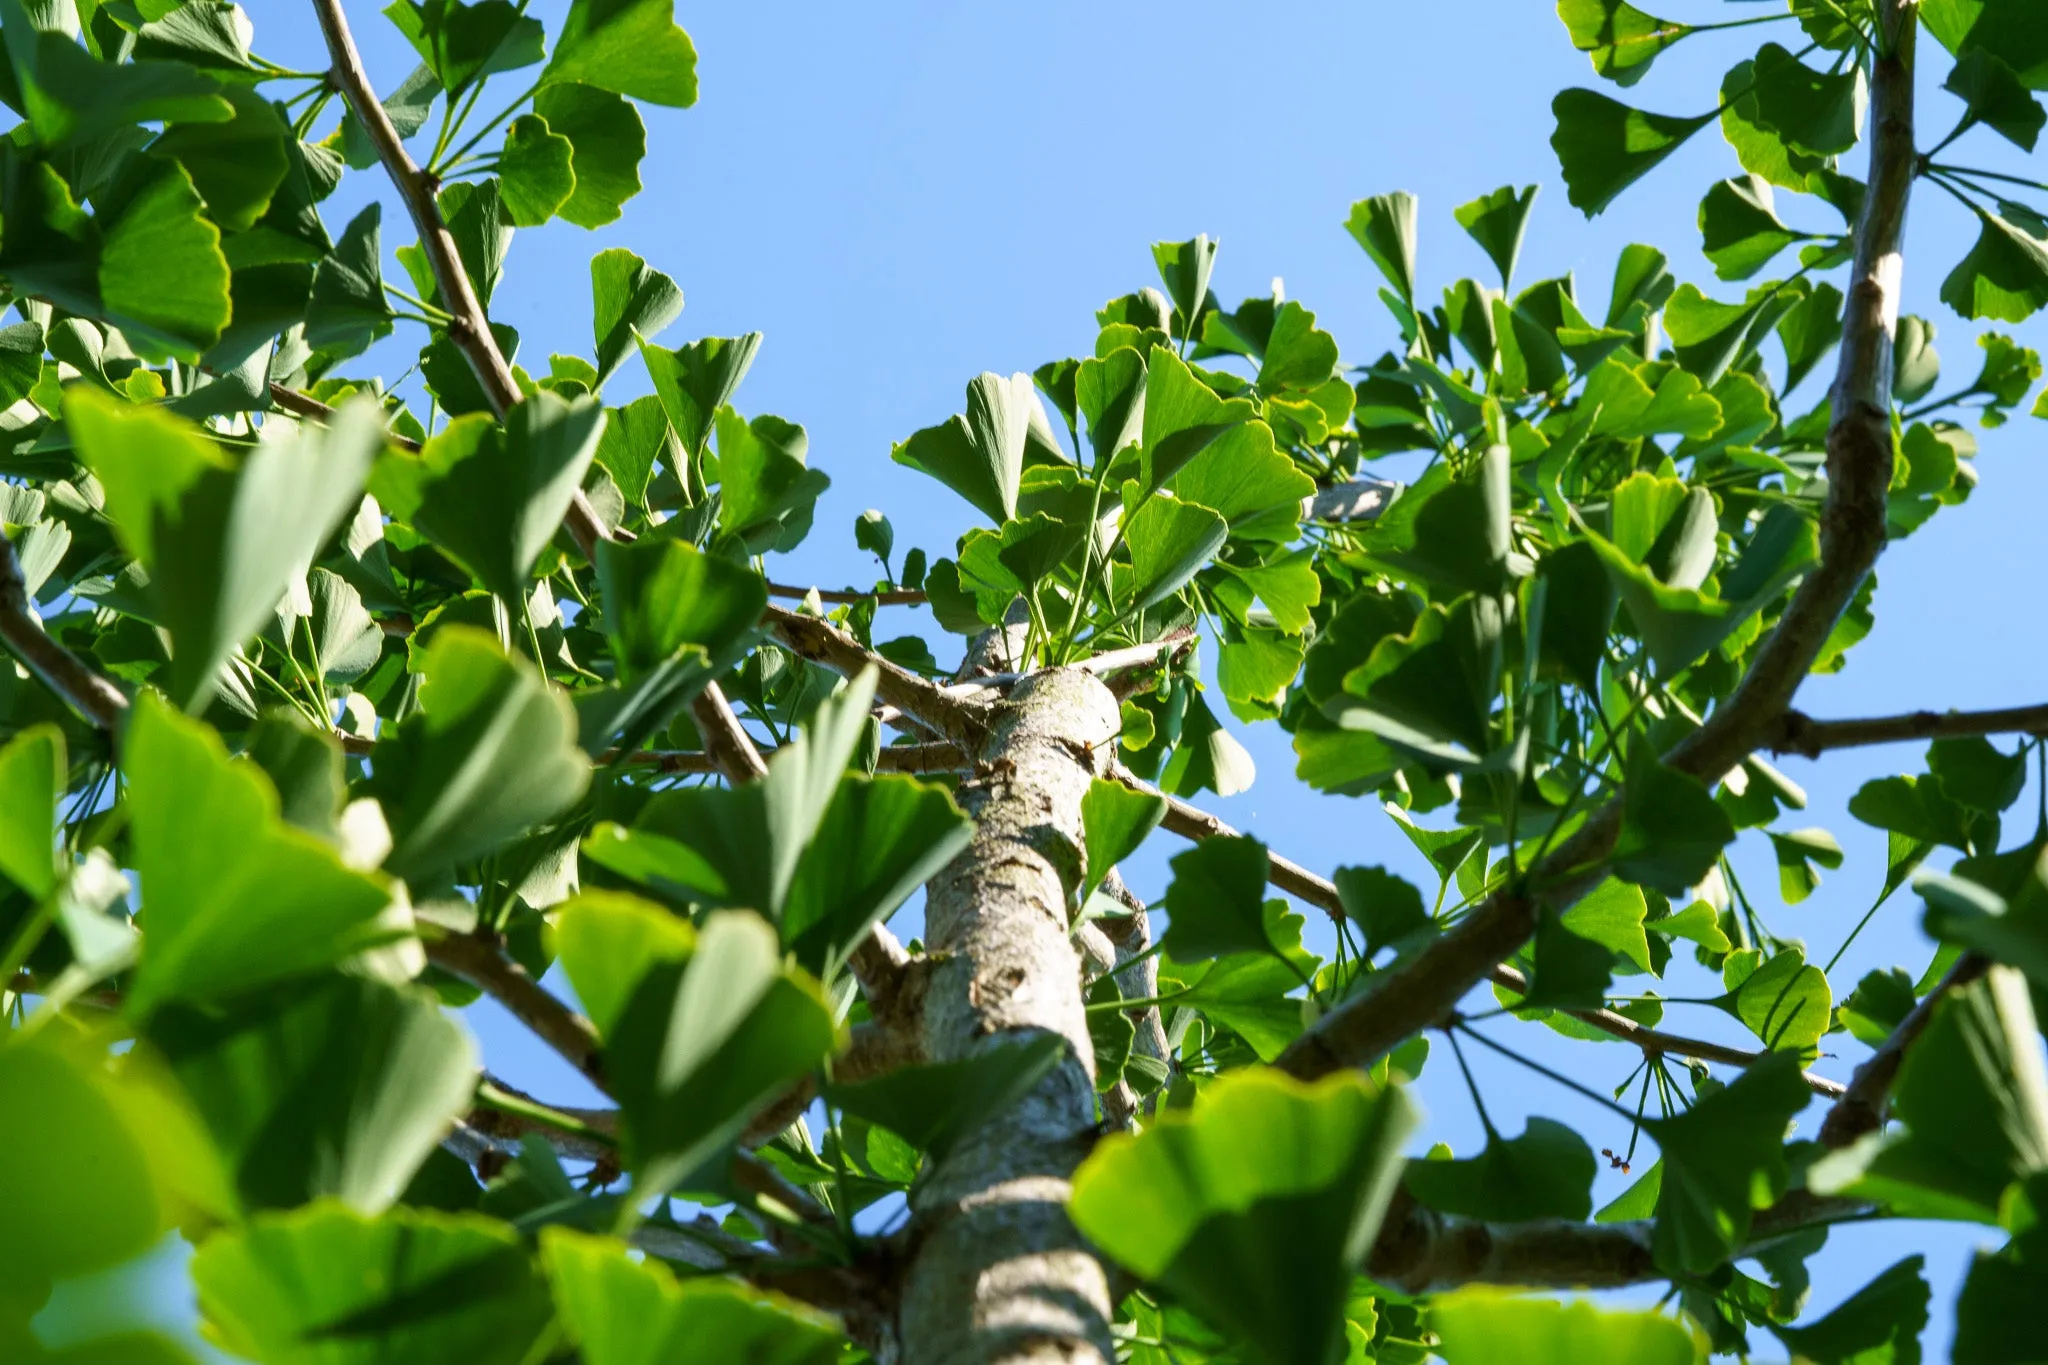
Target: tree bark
{"points": [[997, 1272]]}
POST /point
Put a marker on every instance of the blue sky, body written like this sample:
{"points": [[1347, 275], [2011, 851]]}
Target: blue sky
{"points": [[903, 196]]}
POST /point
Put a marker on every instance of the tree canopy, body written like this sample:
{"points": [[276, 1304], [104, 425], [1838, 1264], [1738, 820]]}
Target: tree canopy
{"points": [[334, 705]]}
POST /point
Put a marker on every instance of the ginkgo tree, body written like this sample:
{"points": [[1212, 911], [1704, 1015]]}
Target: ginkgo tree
{"points": [[333, 706]]}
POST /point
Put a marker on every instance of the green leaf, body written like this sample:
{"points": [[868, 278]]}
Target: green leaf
{"points": [[980, 456], [1797, 854], [1784, 1002], [2010, 28], [676, 619], [1184, 269], [1680, 625], [1255, 670], [1877, 1005], [221, 541], [1995, 1315], [1431, 690], [634, 438], [69, 97], [933, 1105], [33, 775], [348, 310], [1603, 146], [1110, 391], [1915, 807], [766, 491], [237, 166], [534, 173], [325, 1284], [1207, 757], [339, 1090], [1547, 1172], [621, 1309], [1170, 541], [492, 496], [1880, 1322], [607, 141], [1672, 830], [696, 380], [1488, 1327], [702, 1046], [1621, 39], [2005, 275], [1612, 915], [1974, 772], [1578, 612], [1816, 112], [1567, 969], [1995, 97], [489, 753], [630, 47], [1114, 820], [1739, 227], [1497, 221], [1385, 906], [1973, 1099], [1812, 327], [1723, 1159], [162, 276], [607, 941], [463, 43], [1258, 1204], [1385, 226], [232, 897], [629, 299], [1215, 905]]}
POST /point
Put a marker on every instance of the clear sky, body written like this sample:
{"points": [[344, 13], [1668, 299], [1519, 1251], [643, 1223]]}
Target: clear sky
{"points": [[903, 195]]}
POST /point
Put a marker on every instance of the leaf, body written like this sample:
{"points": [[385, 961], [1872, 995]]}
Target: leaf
{"points": [[606, 144], [1385, 226], [325, 1284], [1877, 1005], [630, 47], [2010, 28], [1114, 820], [1497, 221], [1207, 757], [67, 96], [1975, 773], [489, 753], [634, 437], [463, 43], [1880, 1322], [1995, 97], [1915, 807], [1995, 1315], [1431, 690], [1612, 915], [621, 1309], [1739, 227], [1258, 1204], [1567, 969], [339, 1090], [1488, 1327], [494, 497], [1672, 831], [701, 1046], [33, 775], [1812, 327], [933, 1105], [347, 310], [1547, 1172], [534, 173], [162, 276], [1723, 1159], [1816, 112], [232, 897], [1169, 541], [1215, 905], [696, 380], [1785, 1002], [2005, 275], [1578, 612], [766, 491], [1184, 269], [629, 300], [1603, 146], [1621, 39], [236, 166], [1798, 853], [676, 618], [1254, 672], [1385, 906], [1973, 1097], [607, 941]]}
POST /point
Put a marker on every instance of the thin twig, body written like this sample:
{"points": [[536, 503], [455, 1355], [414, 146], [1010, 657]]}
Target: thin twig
{"points": [[306, 405], [486, 967], [728, 743], [77, 685], [1799, 733], [1861, 1108], [469, 328]]}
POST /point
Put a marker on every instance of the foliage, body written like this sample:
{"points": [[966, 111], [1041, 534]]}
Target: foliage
{"points": [[338, 703]]}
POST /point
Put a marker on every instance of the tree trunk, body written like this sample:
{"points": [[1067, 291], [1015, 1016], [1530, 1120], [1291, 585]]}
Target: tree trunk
{"points": [[998, 1273]]}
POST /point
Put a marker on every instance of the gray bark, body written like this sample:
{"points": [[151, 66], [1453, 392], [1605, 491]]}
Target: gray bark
{"points": [[997, 1271]]}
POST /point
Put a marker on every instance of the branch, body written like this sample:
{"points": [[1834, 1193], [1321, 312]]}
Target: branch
{"points": [[951, 717], [77, 685], [547, 1018], [897, 758], [307, 406], [1861, 1109], [1799, 733], [468, 327], [1193, 823], [1428, 986], [890, 597], [730, 747], [1359, 500]]}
